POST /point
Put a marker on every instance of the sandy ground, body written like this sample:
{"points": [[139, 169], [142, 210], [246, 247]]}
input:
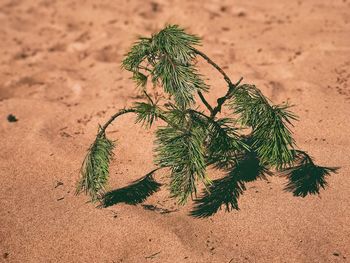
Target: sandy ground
{"points": [[60, 76]]}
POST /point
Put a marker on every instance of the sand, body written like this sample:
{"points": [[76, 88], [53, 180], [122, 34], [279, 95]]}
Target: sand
{"points": [[60, 76]]}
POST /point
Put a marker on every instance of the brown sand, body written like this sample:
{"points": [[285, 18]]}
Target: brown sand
{"points": [[60, 76]]}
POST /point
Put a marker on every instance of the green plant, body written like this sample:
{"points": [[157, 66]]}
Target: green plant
{"points": [[255, 139]]}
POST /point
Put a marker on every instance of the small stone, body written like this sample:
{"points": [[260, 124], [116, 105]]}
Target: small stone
{"points": [[12, 118], [223, 9]]}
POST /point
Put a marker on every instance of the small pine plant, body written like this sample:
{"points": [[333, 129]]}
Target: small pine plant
{"points": [[254, 141]]}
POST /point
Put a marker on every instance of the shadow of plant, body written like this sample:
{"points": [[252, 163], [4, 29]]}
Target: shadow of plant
{"points": [[226, 191], [135, 193], [304, 178]]}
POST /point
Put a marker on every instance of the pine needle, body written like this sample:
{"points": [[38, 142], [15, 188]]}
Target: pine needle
{"points": [[224, 143], [183, 153], [95, 168], [168, 57], [147, 113], [272, 138], [139, 51]]}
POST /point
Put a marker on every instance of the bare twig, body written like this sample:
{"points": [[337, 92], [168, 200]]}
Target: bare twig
{"points": [[124, 111], [227, 96], [231, 86], [227, 79], [153, 255], [116, 115], [205, 102]]}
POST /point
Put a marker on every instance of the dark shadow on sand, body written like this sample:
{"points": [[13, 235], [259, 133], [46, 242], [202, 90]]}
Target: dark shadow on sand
{"points": [[135, 193], [227, 190], [304, 178]]}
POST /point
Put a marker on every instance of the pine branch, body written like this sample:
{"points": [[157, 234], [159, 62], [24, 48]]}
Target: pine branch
{"points": [[205, 102], [184, 154], [179, 80], [146, 113], [225, 145], [170, 54], [139, 51], [149, 98], [95, 168], [223, 99], [211, 62], [140, 79], [272, 138], [113, 117], [192, 140], [175, 42], [94, 171], [229, 92]]}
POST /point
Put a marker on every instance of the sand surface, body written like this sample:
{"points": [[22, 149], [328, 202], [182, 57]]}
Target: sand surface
{"points": [[60, 76]]}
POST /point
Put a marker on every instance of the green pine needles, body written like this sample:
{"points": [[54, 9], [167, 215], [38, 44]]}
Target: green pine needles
{"points": [[250, 143], [95, 168]]}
